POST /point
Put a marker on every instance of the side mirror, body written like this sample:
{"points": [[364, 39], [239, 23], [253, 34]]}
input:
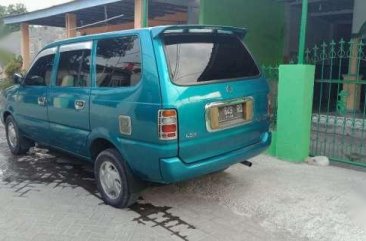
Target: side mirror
{"points": [[17, 78]]}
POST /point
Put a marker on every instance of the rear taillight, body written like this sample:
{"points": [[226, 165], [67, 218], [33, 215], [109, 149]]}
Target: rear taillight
{"points": [[168, 127]]}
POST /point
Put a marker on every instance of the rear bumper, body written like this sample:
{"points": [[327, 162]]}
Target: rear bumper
{"points": [[175, 170]]}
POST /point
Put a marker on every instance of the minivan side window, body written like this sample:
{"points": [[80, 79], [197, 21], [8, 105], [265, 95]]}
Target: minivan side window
{"points": [[40, 72], [74, 68], [118, 62]]}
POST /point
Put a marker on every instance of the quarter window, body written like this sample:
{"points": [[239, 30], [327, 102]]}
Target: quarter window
{"points": [[74, 69], [40, 73], [118, 62]]}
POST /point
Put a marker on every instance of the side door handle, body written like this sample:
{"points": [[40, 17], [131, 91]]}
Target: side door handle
{"points": [[79, 104], [42, 101]]}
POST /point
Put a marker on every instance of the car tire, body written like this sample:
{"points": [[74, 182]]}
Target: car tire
{"points": [[116, 183], [18, 145]]}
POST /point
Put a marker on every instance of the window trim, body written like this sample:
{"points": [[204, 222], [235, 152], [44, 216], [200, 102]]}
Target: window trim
{"points": [[227, 80], [76, 46], [95, 48], [86, 45], [43, 53]]}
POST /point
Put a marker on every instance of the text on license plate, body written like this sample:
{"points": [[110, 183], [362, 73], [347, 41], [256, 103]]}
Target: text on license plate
{"points": [[232, 114]]}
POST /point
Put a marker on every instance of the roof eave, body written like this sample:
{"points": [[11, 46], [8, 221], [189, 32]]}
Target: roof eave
{"points": [[56, 10], [73, 7]]}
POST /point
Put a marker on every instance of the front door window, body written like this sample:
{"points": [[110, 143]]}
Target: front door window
{"points": [[40, 72]]}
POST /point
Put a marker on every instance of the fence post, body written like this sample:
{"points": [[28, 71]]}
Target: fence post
{"points": [[295, 99], [353, 90]]}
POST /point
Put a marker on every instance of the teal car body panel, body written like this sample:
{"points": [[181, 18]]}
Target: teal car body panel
{"points": [[32, 117], [70, 129], [195, 152], [174, 170]]}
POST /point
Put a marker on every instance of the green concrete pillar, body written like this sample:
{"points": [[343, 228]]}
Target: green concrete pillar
{"points": [[145, 14], [303, 26], [295, 99], [203, 12], [272, 149]]}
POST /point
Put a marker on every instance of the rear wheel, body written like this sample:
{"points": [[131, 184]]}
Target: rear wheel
{"points": [[116, 183], [17, 144]]}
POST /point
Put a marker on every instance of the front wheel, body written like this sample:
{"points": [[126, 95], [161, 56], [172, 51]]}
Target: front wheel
{"points": [[17, 144], [116, 183]]}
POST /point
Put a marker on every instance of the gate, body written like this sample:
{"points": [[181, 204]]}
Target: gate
{"points": [[339, 104], [271, 74]]}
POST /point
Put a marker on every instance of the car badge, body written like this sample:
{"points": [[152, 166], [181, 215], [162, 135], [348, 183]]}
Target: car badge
{"points": [[229, 89]]}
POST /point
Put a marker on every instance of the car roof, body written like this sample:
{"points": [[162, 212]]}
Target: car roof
{"points": [[155, 31], [94, 36]]}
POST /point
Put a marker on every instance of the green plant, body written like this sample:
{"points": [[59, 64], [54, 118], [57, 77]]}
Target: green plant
{"points": [[13, 66], [5, 84], [12, 9], [5, 56]]}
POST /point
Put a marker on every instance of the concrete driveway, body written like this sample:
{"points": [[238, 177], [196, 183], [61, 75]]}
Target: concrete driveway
{"points": [[45, 196]]}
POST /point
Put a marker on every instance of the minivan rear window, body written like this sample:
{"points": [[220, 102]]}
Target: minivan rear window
{"points": [[198, 58]]}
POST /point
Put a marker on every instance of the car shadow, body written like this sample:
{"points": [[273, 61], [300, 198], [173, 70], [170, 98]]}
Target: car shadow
{"points": [[41, 166], [23, 174]]}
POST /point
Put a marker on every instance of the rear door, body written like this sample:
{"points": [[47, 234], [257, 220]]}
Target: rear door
{"points": [[218, 91], [68, 99]]}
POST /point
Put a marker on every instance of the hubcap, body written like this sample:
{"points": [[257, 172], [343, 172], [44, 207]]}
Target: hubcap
{"points": [[110, 179], [12, 135]]}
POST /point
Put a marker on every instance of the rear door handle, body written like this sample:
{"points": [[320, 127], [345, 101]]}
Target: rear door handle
{"points": [[79, 104], [42, 101]]}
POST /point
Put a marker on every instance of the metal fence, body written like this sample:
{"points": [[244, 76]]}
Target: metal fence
{"points": [[271, 73], [339, 104]]}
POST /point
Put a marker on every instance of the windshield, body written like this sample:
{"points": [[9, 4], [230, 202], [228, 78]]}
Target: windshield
{"points": [[197, 58]]}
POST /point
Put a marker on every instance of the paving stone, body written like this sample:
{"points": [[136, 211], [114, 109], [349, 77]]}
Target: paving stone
{"points": [[43, 198]]}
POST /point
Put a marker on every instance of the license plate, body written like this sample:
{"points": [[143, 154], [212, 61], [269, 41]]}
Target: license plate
{"points": [[228, 115]]}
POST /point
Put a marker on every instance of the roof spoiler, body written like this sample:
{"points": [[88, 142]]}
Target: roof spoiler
{"points": [[158, 31]]}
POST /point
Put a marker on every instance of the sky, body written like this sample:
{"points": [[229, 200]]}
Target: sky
{"points": [[34, 4]]}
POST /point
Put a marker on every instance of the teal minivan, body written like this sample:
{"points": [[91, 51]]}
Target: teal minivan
{"points": [[162, 105]]}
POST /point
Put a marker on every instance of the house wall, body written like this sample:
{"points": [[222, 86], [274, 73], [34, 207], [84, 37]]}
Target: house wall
{"points": [[39, 37], [318, 31], [169, 19], [264, 19]]}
